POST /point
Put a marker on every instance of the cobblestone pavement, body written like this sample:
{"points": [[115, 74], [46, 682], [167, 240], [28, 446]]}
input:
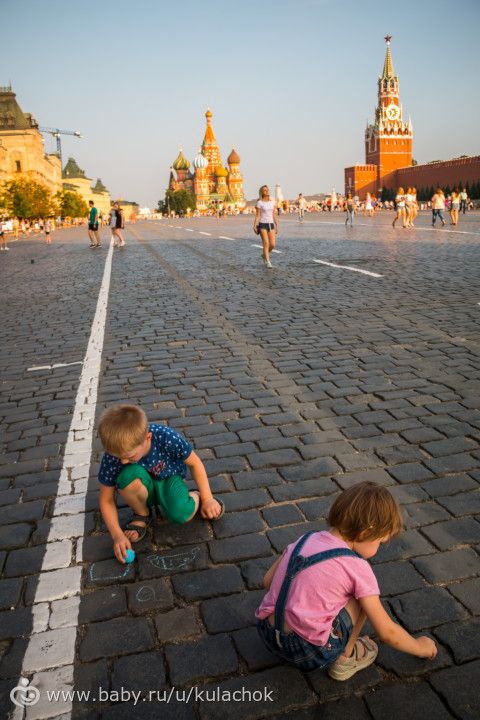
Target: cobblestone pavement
{"points": [[292, 384]]}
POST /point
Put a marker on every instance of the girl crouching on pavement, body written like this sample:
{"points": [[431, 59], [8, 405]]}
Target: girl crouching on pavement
{"points": [[318, 599]]}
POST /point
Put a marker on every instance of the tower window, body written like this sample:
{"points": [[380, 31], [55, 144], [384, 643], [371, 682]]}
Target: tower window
{"points": [[18, 167]]}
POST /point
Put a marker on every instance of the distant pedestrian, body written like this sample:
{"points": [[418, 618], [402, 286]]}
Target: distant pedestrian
{"points": [[409, 208], [119, 225], [112, 221], [368, 205], [350, 207], [400, 207], [93, 226], [454, 206], [414, 210], [463, 201], [302, 204], [47, 229], [3, 236], [266, 223], [438, 206], [16, 227]]}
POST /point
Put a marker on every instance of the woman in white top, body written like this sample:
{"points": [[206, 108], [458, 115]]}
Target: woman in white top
{"points": [[408, 207], [368, 205], [400, 204], [266, 223], [454, 206]]}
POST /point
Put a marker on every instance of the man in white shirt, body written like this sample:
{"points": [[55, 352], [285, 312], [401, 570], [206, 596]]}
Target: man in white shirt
{"points": [[302, 204]]}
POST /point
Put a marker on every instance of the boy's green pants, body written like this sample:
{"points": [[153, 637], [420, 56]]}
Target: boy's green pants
{"points": [[170, 493]]}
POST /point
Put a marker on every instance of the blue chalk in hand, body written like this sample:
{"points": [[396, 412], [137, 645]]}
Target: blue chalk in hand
{"points": [[130, 556]]}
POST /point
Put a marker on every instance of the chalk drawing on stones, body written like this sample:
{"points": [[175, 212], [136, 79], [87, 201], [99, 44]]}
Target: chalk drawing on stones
{"points": [[145, 594], [122, 573], [174, 561]]}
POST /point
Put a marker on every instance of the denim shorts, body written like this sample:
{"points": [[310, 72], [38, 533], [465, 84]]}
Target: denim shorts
{"points": [[266, 226], [303, 654]]}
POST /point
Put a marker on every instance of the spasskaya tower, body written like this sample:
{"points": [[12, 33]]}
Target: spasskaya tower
{"points": [[388, 140]]}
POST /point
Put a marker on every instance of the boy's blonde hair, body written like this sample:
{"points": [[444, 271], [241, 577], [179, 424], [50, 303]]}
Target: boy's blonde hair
{"points": [[366, 511], [122, 428]]}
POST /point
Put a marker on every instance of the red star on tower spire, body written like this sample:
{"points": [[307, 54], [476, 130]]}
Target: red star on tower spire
{"points": [[387, 39]]}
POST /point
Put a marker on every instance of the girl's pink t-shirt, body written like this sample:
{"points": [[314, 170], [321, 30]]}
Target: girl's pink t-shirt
{"points": [[318, 593]]}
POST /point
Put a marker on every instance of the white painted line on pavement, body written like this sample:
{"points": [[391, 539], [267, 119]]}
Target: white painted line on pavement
{"points": [[55, 648], [204, 233], [279, 252], [347, 267], [341, 223], [52, 367], [189, 230], [224, 237]]}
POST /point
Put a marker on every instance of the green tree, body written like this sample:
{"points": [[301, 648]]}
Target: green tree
{"points": [[179, 201], [71, 204], [25, 198]]}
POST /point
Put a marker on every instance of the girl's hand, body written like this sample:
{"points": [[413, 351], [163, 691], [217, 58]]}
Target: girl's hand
{"points": [[427, 647]]}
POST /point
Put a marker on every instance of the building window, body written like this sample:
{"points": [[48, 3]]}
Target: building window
{"points": [[18, 167]]}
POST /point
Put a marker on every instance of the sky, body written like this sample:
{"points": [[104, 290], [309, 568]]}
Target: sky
{"points": [[291, 83]]}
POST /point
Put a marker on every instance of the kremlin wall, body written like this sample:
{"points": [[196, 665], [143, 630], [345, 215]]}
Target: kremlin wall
{"points": [[388, 150]]}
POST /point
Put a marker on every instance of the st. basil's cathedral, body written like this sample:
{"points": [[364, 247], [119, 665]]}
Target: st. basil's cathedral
{"points": [[211, 182]]}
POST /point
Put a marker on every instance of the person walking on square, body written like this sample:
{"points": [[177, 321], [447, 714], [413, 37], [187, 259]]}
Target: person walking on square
{"points": [[146, 464], [93, 226], [322, 589], [400, 207], [414, 208], [409, 208], [463, 200], [119, 226], [302, 204], [350, 207], [454, 206], [438, 206], [3, 236], [47, 229], [112, 221], [368, 210], [266, 223]]}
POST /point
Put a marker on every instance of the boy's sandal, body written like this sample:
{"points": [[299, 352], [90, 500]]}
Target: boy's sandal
{"points": [[141, 530], [343, 668]]}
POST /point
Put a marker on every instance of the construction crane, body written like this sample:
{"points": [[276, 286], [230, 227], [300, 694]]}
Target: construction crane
{"points": [[56, 132]]}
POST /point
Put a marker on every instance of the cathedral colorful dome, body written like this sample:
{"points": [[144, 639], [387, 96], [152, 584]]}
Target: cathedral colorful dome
{"points": [[221, 171], [233, 158], [200, 162], [181, 163]]}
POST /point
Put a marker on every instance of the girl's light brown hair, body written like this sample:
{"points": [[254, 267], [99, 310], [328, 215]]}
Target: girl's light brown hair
{"points": [[366, 511], [122, 428]]}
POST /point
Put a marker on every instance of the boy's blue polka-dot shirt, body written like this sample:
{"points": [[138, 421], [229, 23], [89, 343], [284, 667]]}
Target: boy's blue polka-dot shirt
{"points": [[167, 456]]}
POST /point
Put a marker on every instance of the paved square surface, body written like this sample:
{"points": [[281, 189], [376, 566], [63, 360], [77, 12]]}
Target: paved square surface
{"points": [[356, 357]]}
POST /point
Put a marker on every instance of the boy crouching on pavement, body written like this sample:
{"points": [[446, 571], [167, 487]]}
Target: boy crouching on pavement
{"points": [[147, 464]]}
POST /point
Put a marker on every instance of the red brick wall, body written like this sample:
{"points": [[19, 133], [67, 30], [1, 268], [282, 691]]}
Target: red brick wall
{"points": [[450, 172], [363, 179]]}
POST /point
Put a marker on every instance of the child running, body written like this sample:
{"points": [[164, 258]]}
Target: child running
{"points": [[147, 463], [322, 589]]}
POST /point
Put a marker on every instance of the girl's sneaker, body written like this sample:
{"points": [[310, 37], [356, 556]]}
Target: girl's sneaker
{"points": [[364, 653]]}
